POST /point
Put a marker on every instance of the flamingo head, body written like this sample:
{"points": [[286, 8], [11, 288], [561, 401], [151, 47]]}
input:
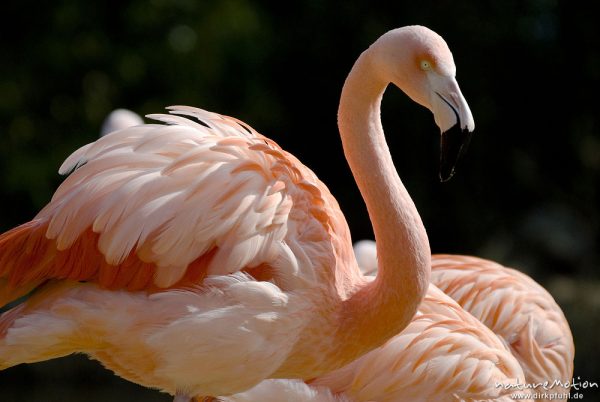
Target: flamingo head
{"points": [[419, 62]]}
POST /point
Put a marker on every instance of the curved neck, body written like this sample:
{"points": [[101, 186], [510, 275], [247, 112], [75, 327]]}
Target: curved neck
{"points": [[382, 308]]}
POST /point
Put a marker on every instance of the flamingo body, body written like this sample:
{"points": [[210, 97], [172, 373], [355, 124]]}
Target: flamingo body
{"points": [[514, 307]]}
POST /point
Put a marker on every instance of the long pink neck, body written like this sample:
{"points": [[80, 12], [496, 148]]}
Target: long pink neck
{"points": [[382, 308]]}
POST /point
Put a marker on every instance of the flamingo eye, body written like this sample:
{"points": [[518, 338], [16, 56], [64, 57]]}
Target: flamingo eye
{"points": [[425, 65]]}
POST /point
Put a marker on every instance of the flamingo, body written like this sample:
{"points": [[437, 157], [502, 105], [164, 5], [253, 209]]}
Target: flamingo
{"points": [[119, 119], [199, 258]]}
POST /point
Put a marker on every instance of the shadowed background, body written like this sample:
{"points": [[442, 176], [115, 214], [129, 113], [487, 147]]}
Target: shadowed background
{"points": [[527, 194]]}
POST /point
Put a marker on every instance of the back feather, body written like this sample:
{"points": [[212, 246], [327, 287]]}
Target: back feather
{"points": [[156, 206]]}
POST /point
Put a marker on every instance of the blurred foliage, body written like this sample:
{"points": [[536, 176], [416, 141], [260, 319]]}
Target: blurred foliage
{"points": [[527, 194]]}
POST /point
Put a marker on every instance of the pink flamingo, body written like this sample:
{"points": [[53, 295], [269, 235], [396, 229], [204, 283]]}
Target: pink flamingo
{"points": [[212, 259]]}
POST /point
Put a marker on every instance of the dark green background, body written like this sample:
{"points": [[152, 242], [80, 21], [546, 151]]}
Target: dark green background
{"points": [[527, 195]]}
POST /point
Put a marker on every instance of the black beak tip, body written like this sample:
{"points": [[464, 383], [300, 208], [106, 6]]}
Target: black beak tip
{"points": [[454, 144], [446, 173]]}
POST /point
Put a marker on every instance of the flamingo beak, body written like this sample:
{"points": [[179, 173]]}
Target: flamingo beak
{"points": [[453, 116], [453, 146]]}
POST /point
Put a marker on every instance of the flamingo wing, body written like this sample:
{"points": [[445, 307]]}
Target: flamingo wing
{"points": [[160, 205]]}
